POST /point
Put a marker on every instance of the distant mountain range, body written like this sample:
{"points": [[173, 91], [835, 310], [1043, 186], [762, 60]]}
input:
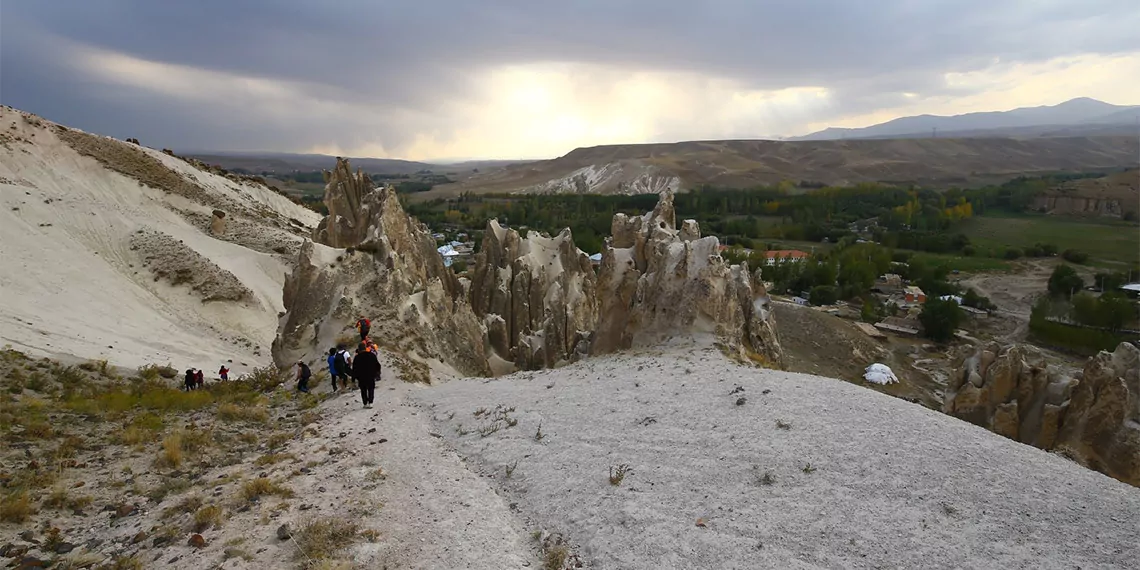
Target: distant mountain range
{"points": [[1077, 117]]}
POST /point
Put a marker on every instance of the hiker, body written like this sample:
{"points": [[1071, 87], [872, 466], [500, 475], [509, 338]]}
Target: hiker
{"points": [[366, 369], [200, 379], [332, 368], [224, 373], [344, 366], [363, 325], [303, 375], [191, 379]]}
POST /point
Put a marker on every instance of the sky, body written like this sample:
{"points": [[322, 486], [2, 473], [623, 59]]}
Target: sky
{"points": [[464, 79]]}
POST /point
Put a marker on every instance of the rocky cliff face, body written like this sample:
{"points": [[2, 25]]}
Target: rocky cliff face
{"points": [[656, 281], [1093, 419], [536, 297]]}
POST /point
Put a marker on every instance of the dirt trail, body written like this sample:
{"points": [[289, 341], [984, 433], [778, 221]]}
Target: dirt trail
{"points": [[431, 511]]}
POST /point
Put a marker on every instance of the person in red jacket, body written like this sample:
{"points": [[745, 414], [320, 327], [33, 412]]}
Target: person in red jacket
{"points": [[363, 325]]}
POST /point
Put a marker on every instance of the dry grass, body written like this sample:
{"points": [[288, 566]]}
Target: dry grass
{"points": [[207, 517], [171, 454], [273, 459], [254, 489], [16, 507], [248, 414], [322, 538]]}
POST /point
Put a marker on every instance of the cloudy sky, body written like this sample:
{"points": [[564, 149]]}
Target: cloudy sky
{"points": [[447, 79]]}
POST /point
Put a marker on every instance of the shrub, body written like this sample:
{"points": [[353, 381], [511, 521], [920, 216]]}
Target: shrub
{"points": [[1013, 253], [823, 295], [16, 507], [322, 538], [1075, 256], [254, 489], [1065, 281], [209, 516], [171, 454], [618, 473], [940, 319]]}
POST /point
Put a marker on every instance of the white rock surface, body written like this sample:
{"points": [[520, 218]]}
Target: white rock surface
{"points": [[71, 285], [893, 485]]}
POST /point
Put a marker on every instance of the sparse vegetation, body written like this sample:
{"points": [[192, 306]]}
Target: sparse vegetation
{"points": [[538, 435], [510, 468], [781, 424], [254, 489], [209, 516], [250, 414], [809, 469], [16, 507], [273, 459], [321, 539], [618, 473], [766, 478]]}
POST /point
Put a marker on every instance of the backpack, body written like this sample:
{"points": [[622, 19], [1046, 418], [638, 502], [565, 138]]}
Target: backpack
{"points": [[341, 363], [305, 373], [365, 323]]}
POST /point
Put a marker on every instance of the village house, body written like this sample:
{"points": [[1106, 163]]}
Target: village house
{"points": [[913, 294], [792, 255]]}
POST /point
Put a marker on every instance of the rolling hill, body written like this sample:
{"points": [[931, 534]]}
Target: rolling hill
{"points": [[1082, 116], [650, 168]]}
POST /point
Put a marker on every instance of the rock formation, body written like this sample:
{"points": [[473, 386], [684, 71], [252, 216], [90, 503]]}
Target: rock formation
{"points": [[1102, 424], [536, 296], [390, 272], [1010, 391], [656, 281], [1094, 419], [349, 215], [532, 303], [218, 223]]}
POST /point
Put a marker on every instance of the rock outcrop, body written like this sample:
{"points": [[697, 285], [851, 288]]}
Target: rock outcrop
{"points": [[390, 272], [533, 302], [346, 195], [218, 223], [1102, 424], [1010, 391], [656, 281], [1094, 419], [535, 295]]}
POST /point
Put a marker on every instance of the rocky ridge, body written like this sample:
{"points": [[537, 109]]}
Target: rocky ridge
{"points": [[1092, 417], [532, 302]]}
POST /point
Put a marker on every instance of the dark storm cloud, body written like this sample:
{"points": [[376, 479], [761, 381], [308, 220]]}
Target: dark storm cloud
{"points": [[413, 60]]}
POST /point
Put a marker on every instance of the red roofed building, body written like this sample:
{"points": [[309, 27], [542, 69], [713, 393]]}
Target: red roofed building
{"points": [[785, 255]]}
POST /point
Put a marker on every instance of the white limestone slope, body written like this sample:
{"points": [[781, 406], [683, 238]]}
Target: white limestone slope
{"points": [[610, 178], [857, 480], [72, 285]]}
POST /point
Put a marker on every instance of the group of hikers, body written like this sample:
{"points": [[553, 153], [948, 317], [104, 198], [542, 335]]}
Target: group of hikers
{"points": [[196, 380], [361, 369]]}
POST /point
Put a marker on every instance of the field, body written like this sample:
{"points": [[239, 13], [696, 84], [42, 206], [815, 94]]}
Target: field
{"points": [[1108, 243]]}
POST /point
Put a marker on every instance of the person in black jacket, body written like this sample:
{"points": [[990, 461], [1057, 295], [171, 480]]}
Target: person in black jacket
{"points": [[303, 375], [366, 370]]}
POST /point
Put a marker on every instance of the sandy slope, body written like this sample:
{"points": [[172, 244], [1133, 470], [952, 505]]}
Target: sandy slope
{"points": [[895, 485], [72, 285]]}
